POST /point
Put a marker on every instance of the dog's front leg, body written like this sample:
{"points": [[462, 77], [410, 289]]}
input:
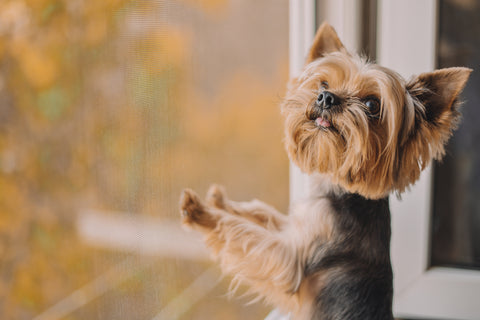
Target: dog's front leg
{"points": [[262, 258], [255, 210]]}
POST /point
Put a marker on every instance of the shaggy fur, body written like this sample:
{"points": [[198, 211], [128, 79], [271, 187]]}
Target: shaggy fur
{"points": [[361, 132]]}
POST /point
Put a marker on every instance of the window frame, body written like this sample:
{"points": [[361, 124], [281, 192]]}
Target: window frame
{"points": [[420, 290], [302, 14]]}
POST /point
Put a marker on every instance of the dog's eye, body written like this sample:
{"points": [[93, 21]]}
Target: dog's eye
{"points": [[324, 85], [373, 105]]}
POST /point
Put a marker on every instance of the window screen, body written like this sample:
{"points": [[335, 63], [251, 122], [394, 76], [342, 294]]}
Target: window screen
{"points": [[107, 110]]}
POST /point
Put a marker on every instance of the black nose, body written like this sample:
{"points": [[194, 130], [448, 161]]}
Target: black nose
{"points": [[326, 100]]}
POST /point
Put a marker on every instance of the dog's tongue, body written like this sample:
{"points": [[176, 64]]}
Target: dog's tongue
{"points": [[322, 122]]}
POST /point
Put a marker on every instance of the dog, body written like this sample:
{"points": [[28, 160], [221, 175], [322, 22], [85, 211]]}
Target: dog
{"points": [[361, 132]]}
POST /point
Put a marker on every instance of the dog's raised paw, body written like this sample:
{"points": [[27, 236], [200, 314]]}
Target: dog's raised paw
{"points": [[216, 196], [191, 207]]}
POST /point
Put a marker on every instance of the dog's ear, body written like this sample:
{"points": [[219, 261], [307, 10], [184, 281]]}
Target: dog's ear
{"points": [[438, 91], [326, 41], [436, 102]]}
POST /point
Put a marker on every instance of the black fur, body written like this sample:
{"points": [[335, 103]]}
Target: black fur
{"points": [[358, 260]]}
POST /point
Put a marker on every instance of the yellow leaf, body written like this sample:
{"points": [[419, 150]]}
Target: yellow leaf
{"points": [[39, 68], [95, 31]]}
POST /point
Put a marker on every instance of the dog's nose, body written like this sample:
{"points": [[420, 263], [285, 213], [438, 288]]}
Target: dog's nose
{"points": [[326, 100]]}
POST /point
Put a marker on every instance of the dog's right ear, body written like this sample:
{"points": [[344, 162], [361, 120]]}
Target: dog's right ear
{"points": [[326, 41]]}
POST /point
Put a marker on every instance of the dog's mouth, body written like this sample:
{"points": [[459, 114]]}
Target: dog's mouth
{"points": [[323, 123], [322, 118]]}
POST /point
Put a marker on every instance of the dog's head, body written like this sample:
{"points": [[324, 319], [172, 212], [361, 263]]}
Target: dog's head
{"points": [[362, 124]]}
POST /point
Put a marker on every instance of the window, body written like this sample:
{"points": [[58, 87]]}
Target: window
{"points": [[421, 289], [456, 210], [426, 286], [107, 110]]}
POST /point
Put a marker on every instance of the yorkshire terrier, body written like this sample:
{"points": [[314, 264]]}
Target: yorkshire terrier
{"points": [[361, 132]]}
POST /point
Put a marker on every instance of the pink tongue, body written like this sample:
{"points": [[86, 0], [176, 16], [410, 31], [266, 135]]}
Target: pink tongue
{"points": [[322, 122]]}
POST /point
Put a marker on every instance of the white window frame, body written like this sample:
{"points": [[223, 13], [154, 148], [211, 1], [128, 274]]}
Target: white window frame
{"points": [[343, 15], [302, 14], [406, 42]]}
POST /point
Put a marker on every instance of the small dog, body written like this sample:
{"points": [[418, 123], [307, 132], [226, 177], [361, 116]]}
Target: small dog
{"points": [[361, 132]]}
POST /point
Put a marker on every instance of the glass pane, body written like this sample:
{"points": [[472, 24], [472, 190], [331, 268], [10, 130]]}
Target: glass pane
{"points": [[456, 219], [107, 110]]}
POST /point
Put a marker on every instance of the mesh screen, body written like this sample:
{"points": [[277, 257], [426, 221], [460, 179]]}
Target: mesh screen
{"points": [[107, 110]]}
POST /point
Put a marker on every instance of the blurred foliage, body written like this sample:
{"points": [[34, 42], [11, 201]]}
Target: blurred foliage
{"points": [[98, 110]]}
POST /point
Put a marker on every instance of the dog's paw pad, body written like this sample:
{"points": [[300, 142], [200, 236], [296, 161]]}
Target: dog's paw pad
{"points": [[216, 196]]}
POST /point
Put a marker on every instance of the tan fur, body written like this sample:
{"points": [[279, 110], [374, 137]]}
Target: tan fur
{"points": [[325, 41], [269, 254], [369, 154], [372, 157]]}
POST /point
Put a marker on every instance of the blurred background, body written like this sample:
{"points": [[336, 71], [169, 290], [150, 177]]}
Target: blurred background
{"points": [[107, 110]]}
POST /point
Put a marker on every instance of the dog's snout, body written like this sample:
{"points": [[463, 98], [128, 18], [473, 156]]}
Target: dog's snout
{"points": [[326, 100]]}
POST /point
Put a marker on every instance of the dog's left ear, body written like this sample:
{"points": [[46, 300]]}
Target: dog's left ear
{"points": [[326, 41], [438, 91]]}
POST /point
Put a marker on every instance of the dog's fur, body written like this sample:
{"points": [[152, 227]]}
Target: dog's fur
{"points": [[361, 132]]}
